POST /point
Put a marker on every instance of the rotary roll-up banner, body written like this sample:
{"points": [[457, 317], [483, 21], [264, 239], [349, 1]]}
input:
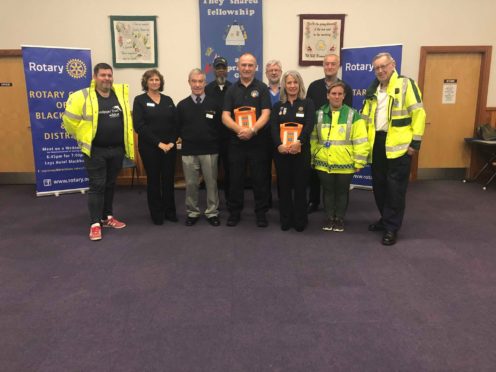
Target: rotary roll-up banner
{"points": [[358, 73], [228, 29], [52, 73]]}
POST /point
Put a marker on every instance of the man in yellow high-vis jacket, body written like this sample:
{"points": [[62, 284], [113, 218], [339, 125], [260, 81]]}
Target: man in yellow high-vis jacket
{"points": [[395, 118], [99, 118]]}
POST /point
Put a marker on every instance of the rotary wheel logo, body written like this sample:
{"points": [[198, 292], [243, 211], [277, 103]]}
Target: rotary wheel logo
{"points": [[76, 68]]}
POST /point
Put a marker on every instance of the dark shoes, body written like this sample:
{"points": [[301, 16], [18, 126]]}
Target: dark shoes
{"points": [[262, 221], [338, 225], [214, 221], [377, 226], [328, 225], [285, 226], [233, 220], [300, 228], [389, 238], [312, 207], [158, 220], [171, 217], [190, 221]]}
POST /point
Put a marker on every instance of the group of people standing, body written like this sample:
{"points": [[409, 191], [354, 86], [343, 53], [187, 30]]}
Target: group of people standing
{"points": [[315, 138]]}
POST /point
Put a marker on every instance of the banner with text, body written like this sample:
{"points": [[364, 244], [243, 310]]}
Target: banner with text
{"points": [[229, 28], [51, 75], [358, 73]]}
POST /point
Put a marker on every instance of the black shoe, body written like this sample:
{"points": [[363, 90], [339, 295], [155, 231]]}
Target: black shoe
{"points": [[262, 221], [312, 207], [171, 217], [214, 220], [158, 222], [328, 225], [233, 220], [338, 225], [377, 226], [389, 238], [302, 227], [285, 226], [190, 221]]}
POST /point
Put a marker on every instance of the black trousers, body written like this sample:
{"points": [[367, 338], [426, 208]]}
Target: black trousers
{"points": [[224, 160], [255, 156], [336, 188], [292, 178], [270, 157], [160, 170], [390, 182], [102, 167], [314, 187]]}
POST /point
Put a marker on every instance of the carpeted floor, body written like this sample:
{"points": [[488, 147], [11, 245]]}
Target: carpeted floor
{"points": [[202, 298]]}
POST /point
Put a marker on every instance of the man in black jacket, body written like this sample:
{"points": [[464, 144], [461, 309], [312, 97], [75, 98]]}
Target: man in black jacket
{"points": [[198, 117], [217, 90], [248, 143]]}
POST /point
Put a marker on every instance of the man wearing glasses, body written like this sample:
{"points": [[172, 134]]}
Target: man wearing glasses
{"points": [[395, 118]]}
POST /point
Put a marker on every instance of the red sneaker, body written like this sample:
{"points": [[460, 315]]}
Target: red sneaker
{"points": [[113, 222], [95, 232]]}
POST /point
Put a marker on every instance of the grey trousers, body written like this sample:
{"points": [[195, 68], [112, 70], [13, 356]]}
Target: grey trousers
{"points": [[192, 164]]}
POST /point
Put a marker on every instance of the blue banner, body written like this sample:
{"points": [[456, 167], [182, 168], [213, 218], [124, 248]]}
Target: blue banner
{"points": [[359, 73], [51, 75], [229, 29]]}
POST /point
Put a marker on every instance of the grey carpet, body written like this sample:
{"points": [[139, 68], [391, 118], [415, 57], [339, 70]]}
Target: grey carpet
{"points": [[202, 298]]}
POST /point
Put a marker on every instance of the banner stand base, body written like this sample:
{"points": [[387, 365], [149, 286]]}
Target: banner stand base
{"points": [[360, 187], [60, 192]]}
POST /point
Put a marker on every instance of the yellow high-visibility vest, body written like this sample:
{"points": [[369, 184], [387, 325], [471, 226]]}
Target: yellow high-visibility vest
{"points": [[81, 117], [406, 115]]}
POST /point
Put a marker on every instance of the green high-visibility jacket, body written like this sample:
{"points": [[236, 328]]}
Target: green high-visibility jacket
{"points": [[339, 142]]}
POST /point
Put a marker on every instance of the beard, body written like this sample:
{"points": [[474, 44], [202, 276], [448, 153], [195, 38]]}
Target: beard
{"points": [[221, 80]]}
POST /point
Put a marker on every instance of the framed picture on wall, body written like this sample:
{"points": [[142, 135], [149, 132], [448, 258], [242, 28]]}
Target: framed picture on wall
{"points": [[320, 34], [134, 41]]}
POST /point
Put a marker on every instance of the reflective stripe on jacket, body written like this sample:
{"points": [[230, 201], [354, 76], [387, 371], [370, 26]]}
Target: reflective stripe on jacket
{"points": [[339, 145], [80, 118], [406, 115]]}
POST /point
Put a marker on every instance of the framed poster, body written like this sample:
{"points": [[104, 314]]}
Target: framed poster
{"points": [[320, 34], [134, 41]]}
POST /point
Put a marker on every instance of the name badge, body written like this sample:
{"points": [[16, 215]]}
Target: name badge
{"points": [[209, 116], [150, 104], [300, 115]]}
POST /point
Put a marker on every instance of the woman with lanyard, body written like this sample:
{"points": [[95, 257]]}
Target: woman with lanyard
{"points": [[154, 117], [339, 148], [291, 123]]}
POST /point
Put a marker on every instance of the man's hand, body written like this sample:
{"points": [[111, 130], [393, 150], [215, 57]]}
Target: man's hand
{"points": [[411, 151], [245, 133]]}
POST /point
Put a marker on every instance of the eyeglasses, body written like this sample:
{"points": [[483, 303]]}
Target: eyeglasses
{"points": [[382, 67]]}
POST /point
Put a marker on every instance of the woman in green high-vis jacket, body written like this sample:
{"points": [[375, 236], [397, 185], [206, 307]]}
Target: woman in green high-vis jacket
{"points": [[339, 147]]}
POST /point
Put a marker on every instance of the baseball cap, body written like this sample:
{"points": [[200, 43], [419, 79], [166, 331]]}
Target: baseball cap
{"points": [[220, 61]]}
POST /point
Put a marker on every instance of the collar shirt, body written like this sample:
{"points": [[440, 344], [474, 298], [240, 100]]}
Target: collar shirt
{"points": [[381, 115], [194, 97]]}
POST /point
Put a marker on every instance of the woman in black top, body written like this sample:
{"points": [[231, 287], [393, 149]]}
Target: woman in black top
{"points": [[154, 116], [292, 159]]}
